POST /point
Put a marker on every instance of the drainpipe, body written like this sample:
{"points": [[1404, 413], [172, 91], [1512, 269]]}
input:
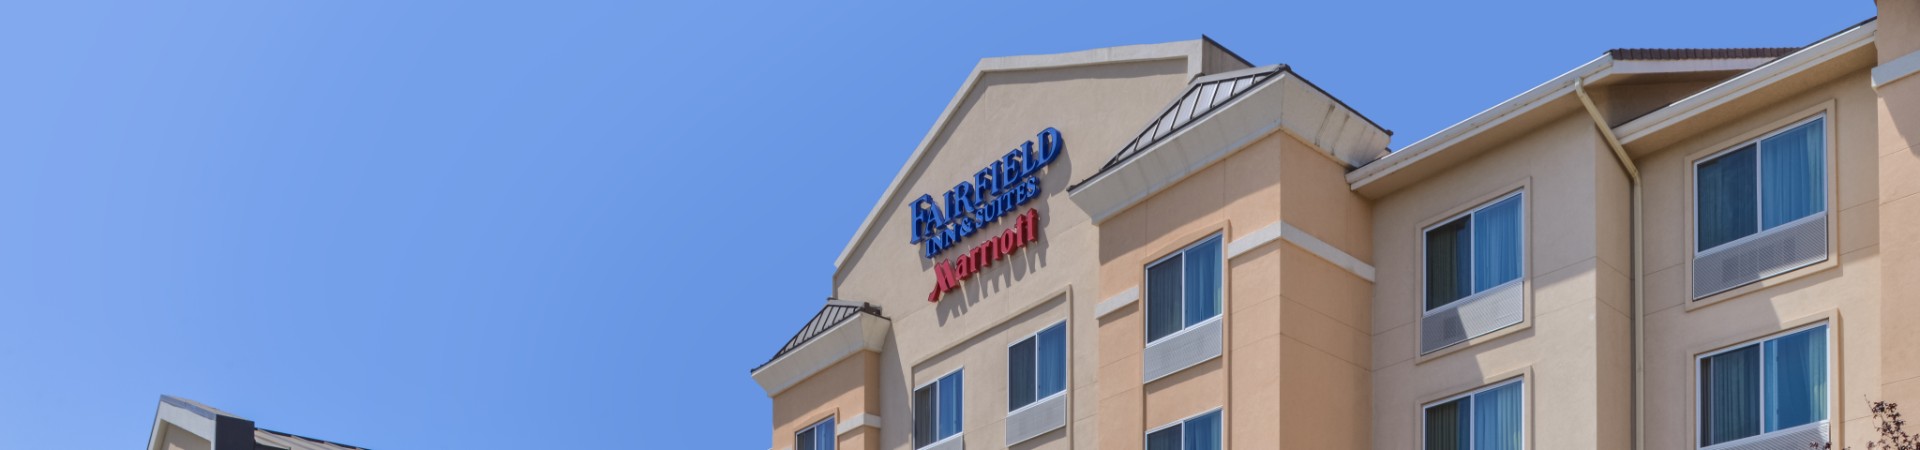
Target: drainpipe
{"points": [[1637, 317]]}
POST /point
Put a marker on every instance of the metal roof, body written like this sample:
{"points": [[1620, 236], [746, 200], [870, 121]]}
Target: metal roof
{"points": [[1202, 96], [835, 312], [1646, 54]]}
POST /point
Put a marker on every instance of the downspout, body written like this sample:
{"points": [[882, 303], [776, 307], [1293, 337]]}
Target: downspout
{"points": [[1637, 316]]}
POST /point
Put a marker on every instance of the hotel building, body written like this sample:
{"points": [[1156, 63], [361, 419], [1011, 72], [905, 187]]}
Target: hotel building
{"points": [[1169, 247]]}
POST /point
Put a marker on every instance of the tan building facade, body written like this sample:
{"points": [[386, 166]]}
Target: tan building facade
{"points": [[1167, 247]]}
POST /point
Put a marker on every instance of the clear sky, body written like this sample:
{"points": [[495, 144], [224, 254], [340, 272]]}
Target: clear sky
{"points": [[566, 224]]}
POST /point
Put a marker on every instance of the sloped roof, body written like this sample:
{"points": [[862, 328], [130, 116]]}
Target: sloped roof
{"points": [[1664, 54], [835, 312], [1202, 95], [287, 441], [263, 439]]}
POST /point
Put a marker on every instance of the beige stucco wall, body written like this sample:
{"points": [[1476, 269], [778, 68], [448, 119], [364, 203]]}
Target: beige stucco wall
{"points": [[1845, 291], [1097, 108], [1292, 372], [842, 391], [1898, 110], [1558, 346]]}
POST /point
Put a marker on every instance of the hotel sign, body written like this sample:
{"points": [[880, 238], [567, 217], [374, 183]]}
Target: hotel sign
{"points": [[994, 192]]}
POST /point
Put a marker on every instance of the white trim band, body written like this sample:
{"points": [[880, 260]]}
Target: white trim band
{"points": [[1896, 69], [1120, 300], [852, 424], [1283, 230]]}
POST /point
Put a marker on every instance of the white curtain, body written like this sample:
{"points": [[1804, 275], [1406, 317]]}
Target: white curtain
{"points": [[1053, 361], [1796, 379], [1203, 281], [1496, 244], [1792, 174], [1731, 397], [1497, 418]]}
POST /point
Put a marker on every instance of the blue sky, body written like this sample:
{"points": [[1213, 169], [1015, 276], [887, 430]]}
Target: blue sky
{"points": [[471, 224]]}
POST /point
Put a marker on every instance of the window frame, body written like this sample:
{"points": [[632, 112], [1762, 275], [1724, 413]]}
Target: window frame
{"points": [[1067, 366], [1693, 185], [1832, 381], [1146, 322], [1182, 422], [1526, 410], [815, 427], [915, 414], [1469, 212]]}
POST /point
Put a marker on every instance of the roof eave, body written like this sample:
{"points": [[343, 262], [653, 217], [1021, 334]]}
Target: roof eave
{"points": [[1654, 124], [1385, 169]]}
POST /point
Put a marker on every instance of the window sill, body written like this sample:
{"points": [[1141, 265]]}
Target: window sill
{"points": [[953, 442], [1795, 437]]}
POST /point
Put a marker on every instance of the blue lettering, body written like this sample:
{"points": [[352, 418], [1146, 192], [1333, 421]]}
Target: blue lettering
{"points": [[995, 190]]}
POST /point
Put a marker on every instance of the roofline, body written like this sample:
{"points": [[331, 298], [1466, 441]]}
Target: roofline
{"points": [[1479, 123], [1606, 65], [1825, 50], [309, 438], [1192, 50]]}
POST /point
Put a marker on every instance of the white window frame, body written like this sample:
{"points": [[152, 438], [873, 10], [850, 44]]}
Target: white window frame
{"points": [[1698, 408], [1068, 365], [1520, 193], [815, 427], [1183, 422], [1826, 188], [1525, 411], [915, 411], [1146, 291]]}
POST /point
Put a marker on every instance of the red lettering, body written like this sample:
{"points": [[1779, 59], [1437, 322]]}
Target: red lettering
{"points": [[1031, 223], [944, 280], [949, 273]]}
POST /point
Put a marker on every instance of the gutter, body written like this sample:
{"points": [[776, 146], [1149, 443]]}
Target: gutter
{"points": [[1639, 284]]}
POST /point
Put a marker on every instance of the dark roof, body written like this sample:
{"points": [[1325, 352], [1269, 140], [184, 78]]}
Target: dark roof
{"points": [[835, 312], [1202, 95], [1652, 54]]}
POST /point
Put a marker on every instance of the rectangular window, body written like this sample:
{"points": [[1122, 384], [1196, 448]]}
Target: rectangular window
{"points": [[1761, 185], [1764, 387], [816, 437], [1037, 367], [936, 410], [1489, 419], [1183, 289], [1475, 252], [1200, 432]]}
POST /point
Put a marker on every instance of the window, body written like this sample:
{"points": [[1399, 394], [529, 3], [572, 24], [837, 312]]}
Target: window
{"points": [[1037, 367], [1183, 289], [1759, 388], [1473, 253], [1489, 419], [816, 437], [936, 410], [1760, 186], [1200, 432]]}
